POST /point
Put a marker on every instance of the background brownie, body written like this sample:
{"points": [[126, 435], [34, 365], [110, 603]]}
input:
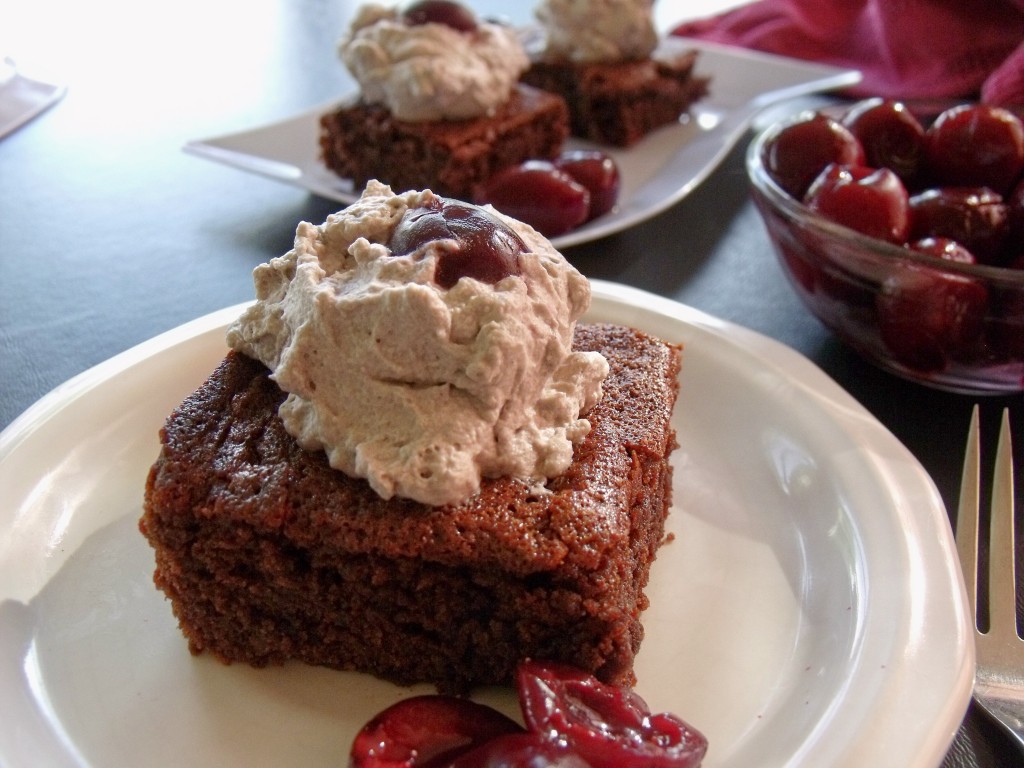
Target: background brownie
{"points": [[621, 102], [268, 554], [450, 157]]}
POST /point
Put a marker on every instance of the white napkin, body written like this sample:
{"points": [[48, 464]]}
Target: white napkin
{"points": [[22, 98]]}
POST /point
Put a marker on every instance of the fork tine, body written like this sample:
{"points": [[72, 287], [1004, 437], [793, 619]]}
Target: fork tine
{"points": [[1002, 575], [967, 514]]}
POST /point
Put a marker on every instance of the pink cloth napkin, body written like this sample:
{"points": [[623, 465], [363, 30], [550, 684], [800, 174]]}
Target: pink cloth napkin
{"points": [[907, 49]]}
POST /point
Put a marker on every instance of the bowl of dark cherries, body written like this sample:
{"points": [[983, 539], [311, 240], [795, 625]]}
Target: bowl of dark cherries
{"points": [[904, 235]]}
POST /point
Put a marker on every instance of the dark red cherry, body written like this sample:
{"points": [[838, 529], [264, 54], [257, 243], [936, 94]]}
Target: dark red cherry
{"points": [[539, 194], [484, 248], [976, 217], [451, 14], [799, 152], [519, 750], [608, 726], [872, 201], [597, 172], [976, 145], [892, 137], [1014, 245], [1007, 325], [426, 732], [944, 248], [928, 317]]}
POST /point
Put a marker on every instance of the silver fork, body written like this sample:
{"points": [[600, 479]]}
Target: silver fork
{"points": [[999, 677]]}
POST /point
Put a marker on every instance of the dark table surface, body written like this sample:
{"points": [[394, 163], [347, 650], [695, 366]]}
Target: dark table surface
{"points": [[109, 234]]}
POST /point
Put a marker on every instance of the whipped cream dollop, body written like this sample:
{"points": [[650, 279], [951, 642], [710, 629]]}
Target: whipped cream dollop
{"points": [[419, 389], [588, 31], [431, 71]]}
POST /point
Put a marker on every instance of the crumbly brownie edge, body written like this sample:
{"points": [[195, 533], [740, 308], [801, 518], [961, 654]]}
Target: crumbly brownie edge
{"points": [[619, 104], [362, 141]]}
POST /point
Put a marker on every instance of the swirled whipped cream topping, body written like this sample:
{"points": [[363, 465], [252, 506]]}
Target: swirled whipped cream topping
{"points": [[588, 31], [431, 71], [423, 389]]}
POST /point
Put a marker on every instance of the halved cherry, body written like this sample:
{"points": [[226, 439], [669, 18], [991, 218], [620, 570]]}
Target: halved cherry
{"points": [[597, 172], [539, 194], [608, 726], [426, 732], [519, 750]]}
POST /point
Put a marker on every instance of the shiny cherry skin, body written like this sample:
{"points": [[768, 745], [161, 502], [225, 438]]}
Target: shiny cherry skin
{"points": [[539, 194], [451, 14], [872, 201], [976, 217], [519, 750], [426, 732], [608, 726], [976, 145], [943, 248], [927, 317], [797, 154], [485, 248], [597, 172], [891, 135]]}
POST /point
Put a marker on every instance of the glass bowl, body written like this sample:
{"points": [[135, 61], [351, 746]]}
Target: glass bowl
{"points": [[953, 326]]}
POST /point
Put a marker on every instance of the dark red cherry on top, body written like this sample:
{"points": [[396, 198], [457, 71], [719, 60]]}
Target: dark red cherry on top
{"points": [[891, 135], [451, 14], [976, 145], [798, 153], [426, 732], [608, 726], [872, 201], [484, 248]]}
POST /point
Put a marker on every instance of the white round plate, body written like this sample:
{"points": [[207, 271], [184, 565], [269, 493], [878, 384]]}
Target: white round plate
{"points": [[809, 611]]}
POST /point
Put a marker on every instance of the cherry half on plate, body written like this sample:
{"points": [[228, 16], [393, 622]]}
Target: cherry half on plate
{"points": [[555, 196], [427, 732], [519, 750], [597, 172], [538, 193], [572, 721], [608, 726]]}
